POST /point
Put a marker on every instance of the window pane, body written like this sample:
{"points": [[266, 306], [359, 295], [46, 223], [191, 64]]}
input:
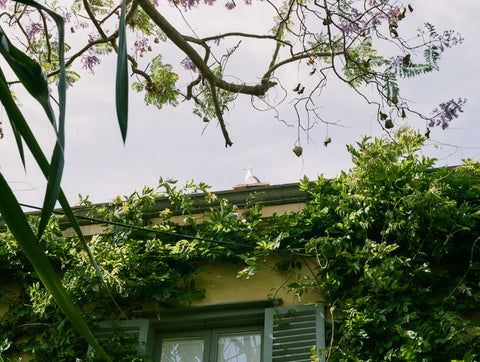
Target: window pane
{"points": [[182, 350], [239, 347]]}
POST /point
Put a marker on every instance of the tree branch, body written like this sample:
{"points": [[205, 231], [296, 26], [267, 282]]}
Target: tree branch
{"points": [[219, 114], [178, 39]]}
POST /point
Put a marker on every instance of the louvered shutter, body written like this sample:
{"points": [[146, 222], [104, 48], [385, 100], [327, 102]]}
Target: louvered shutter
{"points": [[130, 337], [291, 332]]}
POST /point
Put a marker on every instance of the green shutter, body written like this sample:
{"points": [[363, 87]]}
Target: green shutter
{"points": [[291, 332], [123, 338]]}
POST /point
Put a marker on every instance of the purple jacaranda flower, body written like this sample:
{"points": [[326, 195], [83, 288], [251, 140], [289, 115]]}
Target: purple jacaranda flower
{"points": [[141, 46], [67, 17], [186, 4], [3, 4], [393, 63], [89, 61], [447, 112], [33, 29], [376, 2], [448, 39], [230, 5], [189, 65]]}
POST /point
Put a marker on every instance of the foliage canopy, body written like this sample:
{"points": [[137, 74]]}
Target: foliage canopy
{"points": [[395, 239], [350, 40], [343, 38]]}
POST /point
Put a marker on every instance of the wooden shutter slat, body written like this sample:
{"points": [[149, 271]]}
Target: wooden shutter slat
{"points": [[291, 332]]}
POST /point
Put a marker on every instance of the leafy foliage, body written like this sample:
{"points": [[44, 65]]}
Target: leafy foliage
{"points": [[395, 240], [346, 39], [347, 36], [399, 260], [161, 89]]}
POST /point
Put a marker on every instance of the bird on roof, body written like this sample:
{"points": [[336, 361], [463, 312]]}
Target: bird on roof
{"points": [[250, 179]]}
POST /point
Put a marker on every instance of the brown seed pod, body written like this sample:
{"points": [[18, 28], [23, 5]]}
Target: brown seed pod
{"points": [[205, 119], [401, 13], [427, 133], [327, 141], [394, 100], [156, 40], [393, 33], [383, 116], [389, 124], [149, 48], [297, 87], [72, 29], [313, 71], [366, 61], [410, 8], [301, 90], [297, 150], [403, 114], [406, 60]]}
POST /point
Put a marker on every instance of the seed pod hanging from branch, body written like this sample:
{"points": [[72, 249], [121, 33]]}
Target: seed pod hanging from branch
{"points": [[389, 124], [297, 150]]}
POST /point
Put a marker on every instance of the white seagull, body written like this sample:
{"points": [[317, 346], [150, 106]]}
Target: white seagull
{"points": [[250, 179]]}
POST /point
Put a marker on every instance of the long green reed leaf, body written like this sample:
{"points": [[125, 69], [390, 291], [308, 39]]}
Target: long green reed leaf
{"points": [[121, 89], [21, 230], [17, 119], [57, 164]]}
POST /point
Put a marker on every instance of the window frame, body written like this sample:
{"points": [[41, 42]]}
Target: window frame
{"points": [[247, 316], [210, 337]]}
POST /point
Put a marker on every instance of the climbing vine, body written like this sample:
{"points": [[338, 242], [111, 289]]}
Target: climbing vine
{"points": [[396, 244]]}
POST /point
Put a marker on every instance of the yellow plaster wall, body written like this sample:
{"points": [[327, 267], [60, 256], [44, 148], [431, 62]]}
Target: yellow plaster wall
{"points": [[223, 285]]}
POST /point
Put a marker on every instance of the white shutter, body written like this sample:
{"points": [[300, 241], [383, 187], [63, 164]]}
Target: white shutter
{"points": [[130, 332], [291, 332]]}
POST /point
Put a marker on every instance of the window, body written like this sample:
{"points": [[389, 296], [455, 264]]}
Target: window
{"points": [[230, 332], [222, 345]]}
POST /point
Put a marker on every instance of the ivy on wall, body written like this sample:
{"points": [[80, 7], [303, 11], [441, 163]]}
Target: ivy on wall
{"points": [[396, 242]]}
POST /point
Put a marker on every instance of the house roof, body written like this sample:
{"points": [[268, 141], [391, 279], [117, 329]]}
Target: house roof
{"points": [[242, 197]]}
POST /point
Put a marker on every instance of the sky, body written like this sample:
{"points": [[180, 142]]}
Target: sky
{"points": [[174, 143]]}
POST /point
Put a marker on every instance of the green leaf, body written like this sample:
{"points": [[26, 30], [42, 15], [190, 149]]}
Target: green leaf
{"points": [[40, 92], [33, 78], [29, 73], [21, 230], [16, 134], [16, 118], [121, 90]]}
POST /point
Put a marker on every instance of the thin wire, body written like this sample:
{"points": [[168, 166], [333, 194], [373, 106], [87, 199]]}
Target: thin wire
{"points": [[168, 233]]}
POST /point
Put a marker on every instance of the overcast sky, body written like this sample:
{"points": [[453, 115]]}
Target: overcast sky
{"points": [[170, 143]]}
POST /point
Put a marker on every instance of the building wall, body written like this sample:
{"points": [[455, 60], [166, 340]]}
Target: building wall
{"points": [[223, 284]]}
